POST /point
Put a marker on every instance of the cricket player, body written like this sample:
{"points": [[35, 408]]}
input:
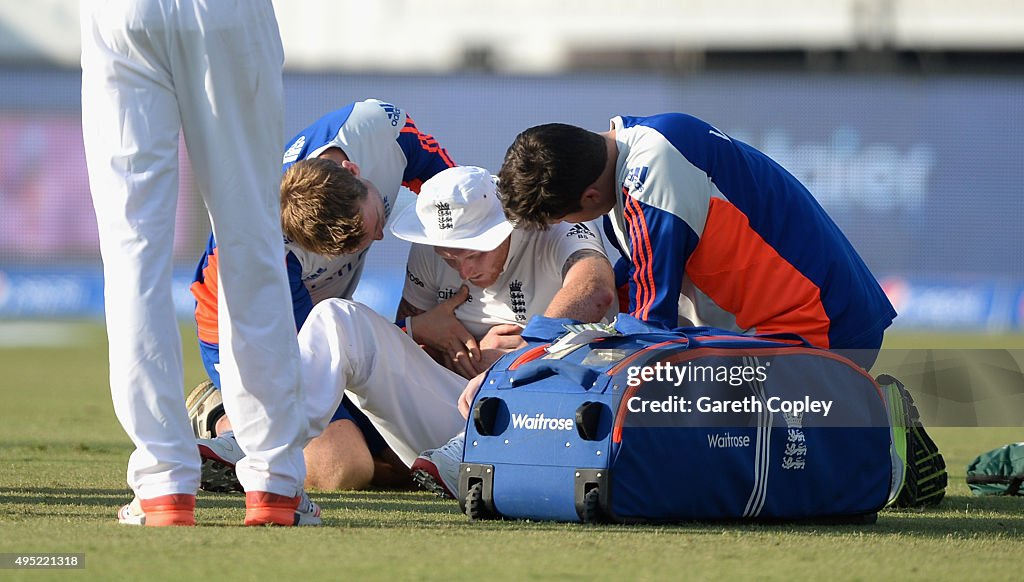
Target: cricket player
{"points": [[712, 232], [410, 398], [509, 275], [354, 162], [208, 69]]}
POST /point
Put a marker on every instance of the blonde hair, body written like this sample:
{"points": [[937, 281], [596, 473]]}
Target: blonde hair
{"points": [[320, 207]]}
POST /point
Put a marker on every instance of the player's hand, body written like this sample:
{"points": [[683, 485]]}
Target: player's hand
{"points": [[439, 329], [504, 336], [500, 340], [466, 399]]}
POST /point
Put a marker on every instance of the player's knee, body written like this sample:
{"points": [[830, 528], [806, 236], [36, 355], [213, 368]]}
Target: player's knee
{"points": [[349, 476], [338, 459], [334, 311]]}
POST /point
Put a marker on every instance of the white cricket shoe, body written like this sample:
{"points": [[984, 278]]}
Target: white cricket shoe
{"points": [[219, 456], [131, 514], [166, 510], [262, 508], [437, 470], [308, 511]]}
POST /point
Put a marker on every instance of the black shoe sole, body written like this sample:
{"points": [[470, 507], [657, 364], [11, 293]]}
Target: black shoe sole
{"points": [[926, 478], [219, 477], [426, 481]]}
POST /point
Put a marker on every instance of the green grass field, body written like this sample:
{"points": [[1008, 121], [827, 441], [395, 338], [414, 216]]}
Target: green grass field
{"points": [[62, 463]]}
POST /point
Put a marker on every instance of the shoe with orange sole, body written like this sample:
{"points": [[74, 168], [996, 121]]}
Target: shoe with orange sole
{"points": [[262, 508], [165, 510]]}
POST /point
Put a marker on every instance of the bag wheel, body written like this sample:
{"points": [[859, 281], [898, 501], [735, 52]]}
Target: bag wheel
{"points": [[475, 508], [591, 506]]}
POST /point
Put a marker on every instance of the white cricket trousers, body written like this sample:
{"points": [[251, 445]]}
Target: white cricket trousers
{"points": [[213, 69], [411, 399]]}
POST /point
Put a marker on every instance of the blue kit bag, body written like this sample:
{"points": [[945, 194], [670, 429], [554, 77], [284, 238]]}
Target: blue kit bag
{"points": [[642, 424]]}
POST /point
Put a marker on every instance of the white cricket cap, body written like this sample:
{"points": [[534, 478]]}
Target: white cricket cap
{"points": [[457, 208]]}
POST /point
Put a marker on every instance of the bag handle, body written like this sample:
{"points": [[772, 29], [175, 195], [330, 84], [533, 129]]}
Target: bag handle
{"points": [[788, 336], [540, 369], [696, 333], [1013, 482]]}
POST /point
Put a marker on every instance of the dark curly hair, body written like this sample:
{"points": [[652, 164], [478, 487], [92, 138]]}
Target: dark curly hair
{"points": [[546, 170]]}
